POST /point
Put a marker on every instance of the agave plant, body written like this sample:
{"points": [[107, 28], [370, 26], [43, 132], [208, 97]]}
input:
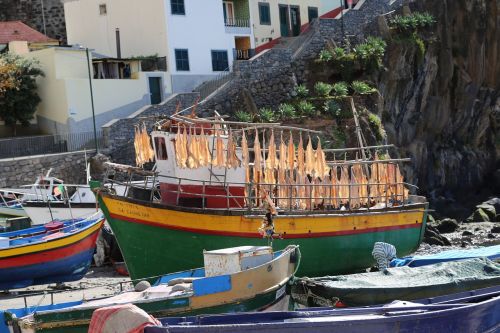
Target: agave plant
{"points": [[243, 116], [323, 89], [286, 111], [325, 55], [302, 91], [362, 88], [307, 109], [340, 89]]}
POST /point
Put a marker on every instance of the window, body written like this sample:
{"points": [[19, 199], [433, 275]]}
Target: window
{"points": [[219, 61], [264, 13], [181, 60], [161, 148], [177, 7], [312, 13], [228, 10], [102, 9]]}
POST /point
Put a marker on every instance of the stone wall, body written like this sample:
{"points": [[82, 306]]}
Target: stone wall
{"points": [[30, 12], [119, 133], [70, 167]]}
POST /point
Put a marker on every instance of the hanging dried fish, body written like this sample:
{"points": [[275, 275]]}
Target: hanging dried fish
{"points": [[363, 186], [257, 164], [220, 155], [301, 191], [244, 150], [344, 185], [271, 153], [291, 153], [374, 179], [137, 147], [300, 158], [150, 153], [192, 160], [354, 193], [402, 191], [321, 168], [310, 158], [282, 164], [334, 193], [232, 159], [282, 189]]}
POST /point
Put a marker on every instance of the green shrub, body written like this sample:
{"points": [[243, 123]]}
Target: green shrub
{"points": [[340, 89], [412, 23], [370, 53], [286, 111], [322, 89], [325, 55], [376, 125], [243, 116], [266, 115], [302, 91], [338, 53], [307, 109], [332, 108], [362, 88]]}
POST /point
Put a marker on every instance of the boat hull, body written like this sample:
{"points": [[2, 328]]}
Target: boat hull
{"points": [[256, 289], [12, 211], [39, 213], [57, 260], [155, 239], [458, 318]]}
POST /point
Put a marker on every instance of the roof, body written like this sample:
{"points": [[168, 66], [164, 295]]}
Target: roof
{"points": [[18, 31]]}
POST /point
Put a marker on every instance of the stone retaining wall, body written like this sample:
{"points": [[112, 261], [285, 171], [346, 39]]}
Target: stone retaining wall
{"points": [[70, 167]]}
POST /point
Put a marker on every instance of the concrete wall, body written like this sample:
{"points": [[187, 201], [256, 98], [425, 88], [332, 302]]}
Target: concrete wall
{"points": [[141, 24], [65, 93], [70, 167], [262, 33]]}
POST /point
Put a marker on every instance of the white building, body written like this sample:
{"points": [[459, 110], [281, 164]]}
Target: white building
{"points": [[199, 38]]}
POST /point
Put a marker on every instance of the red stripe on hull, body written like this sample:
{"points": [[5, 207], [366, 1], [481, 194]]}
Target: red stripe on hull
{"points": [[257, 235], [50, 255]]}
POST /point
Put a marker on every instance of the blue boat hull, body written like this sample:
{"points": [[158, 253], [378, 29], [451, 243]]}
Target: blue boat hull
{"points": [[68, 269], [456, 317]]}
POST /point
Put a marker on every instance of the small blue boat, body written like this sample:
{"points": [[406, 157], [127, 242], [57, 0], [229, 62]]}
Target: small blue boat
{"points": [[58, 251], [477, 311], [490, 252]]}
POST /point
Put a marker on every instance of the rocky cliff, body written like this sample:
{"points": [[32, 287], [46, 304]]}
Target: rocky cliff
{"points": [[440, 106]]}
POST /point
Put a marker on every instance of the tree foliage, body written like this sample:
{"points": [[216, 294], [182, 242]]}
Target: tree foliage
{"points": [[18, 94]]}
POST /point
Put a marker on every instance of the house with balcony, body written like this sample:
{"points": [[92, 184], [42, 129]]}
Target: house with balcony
{"points": [[198, 38], [119, 88]]}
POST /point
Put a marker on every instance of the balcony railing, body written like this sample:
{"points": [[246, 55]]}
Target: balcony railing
{"points": [[243, 54], [236, 22]]}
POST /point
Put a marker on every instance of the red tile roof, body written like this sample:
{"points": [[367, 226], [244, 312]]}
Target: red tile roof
{"points": [[18, 31]]}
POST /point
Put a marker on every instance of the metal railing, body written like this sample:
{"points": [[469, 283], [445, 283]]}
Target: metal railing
{"points": [[243, 54], [49, 144], [299, 197], [208, 87], [237, 22]]}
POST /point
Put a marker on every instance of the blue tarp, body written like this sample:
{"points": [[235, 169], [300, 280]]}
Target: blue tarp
{"points": [[490, 252]]}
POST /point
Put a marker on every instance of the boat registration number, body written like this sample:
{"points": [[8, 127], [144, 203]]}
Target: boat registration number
{"points": [[280, 292]]}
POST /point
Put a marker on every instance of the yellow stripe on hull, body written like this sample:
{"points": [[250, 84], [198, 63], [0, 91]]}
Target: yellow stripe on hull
{"points": [[291, 224], [48, 244]]}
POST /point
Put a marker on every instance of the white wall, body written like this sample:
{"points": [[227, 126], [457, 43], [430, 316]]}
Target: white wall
{"points": [[65, 90], [263, 32], [141, 24], [200, 31]]}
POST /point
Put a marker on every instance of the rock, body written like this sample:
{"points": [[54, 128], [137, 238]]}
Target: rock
{"points": [[491, 236], [495, 202], [479, 215], [432, 237], [497, 218], [467, 233], [495, 230], [488, 209], [142, 285], [447, 226]]}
